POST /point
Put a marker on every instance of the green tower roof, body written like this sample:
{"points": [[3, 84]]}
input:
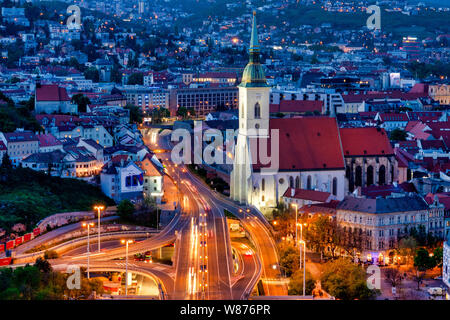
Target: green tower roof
{"points": [[253, 75]]}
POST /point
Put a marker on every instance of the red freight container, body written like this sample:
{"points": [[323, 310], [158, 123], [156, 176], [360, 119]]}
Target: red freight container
{"points": [[2, 247], [5, 261], [10, 244], [36, 232], [27, 237], [19, 240]]}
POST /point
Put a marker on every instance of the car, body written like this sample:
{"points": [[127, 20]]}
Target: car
{"points": [[138, 257], [436, 291], [203, 243], [203, 268]]}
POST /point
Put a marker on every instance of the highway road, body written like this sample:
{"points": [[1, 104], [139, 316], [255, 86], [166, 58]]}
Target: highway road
{"points": [[203, 267], [254, 222]]}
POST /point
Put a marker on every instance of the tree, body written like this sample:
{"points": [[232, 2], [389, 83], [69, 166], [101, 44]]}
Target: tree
{"points": [[50, 254], [81, 101], [418, 277], [407, 247], [398, 135], [345, 280], [136, 78], [438, 257], [393, 276], [289, 259], [135, 113], [296, 283], [43, 265], [423, 261], [182, 112], [126, 209], [6, 162], [321, 234], [92, 74]]}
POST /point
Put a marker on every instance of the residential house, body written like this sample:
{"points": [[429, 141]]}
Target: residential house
{"points": [[20, 144], [153, 177], [122, 180]]}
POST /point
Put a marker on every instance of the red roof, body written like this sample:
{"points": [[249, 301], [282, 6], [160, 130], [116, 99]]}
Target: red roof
{"points": [[119, 158], [60, 119], [419, 88], [51, 92], [304, 194], [309, 143], [393, 117], [297, 106], [48, 140], [365, 142]]}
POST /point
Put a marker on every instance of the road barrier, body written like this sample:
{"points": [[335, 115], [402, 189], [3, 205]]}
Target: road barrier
{"points": [[65, 246]]}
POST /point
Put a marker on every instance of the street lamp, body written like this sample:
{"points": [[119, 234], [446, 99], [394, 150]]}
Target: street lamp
{"points": [[304, 264], [87, 225], [99, 208], [296, 213], [126, 242]]}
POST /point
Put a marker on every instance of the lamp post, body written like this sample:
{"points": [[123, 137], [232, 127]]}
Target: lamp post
{"points": [[296, 213], [304, 264], [301, 234], [99, 208], [88, 226], [126, 242]]}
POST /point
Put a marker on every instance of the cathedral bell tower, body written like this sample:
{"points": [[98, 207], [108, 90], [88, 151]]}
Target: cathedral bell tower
{"points": [[253, 120]]}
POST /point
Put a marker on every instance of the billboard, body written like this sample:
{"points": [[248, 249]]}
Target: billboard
{"points": [[36, 232], [10, 244], [27, 237], [394, 79], [19, 241]]}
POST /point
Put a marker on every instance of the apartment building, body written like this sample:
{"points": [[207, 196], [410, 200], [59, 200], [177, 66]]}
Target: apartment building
{"points": [[382, 222], [19, 145]]}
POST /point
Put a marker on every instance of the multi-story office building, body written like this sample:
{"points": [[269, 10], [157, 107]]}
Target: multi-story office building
{"points": [[147, 97], [204, 99]]}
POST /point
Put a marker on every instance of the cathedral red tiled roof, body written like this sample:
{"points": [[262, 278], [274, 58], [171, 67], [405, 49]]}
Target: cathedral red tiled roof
{"points": [[310, 143], [365, 142], [51, 92]]}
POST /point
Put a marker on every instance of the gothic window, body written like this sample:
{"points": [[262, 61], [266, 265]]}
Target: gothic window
{"points": [[382, 176], [369, 175], [297, 182], [308, 183], [263, 184], [334, 186], [291, 182], [257, 111], [358, 176]]}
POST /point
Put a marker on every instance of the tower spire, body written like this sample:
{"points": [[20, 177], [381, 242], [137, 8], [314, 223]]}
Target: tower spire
{"points": [[254, 43], [253, 75]]}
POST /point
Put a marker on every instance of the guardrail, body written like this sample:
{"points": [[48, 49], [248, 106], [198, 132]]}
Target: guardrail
{"points": [[72, 242]]}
